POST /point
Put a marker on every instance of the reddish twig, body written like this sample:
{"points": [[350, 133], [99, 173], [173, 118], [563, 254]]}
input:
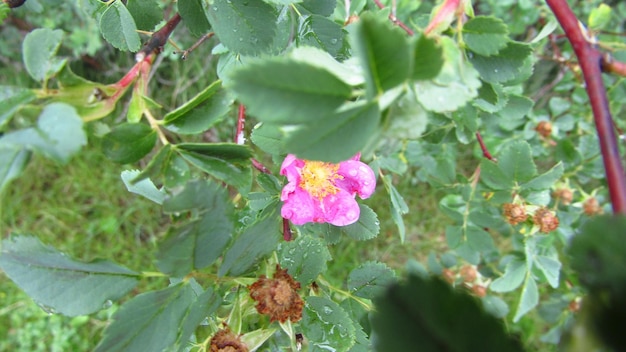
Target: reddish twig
{"points": [[186, 53], [609, 65], [590, 60], [287, 235], [395, 20], [159, 38], [483, 147], [241, 120]]}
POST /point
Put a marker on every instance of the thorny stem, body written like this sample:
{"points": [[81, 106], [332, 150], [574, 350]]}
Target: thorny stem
{"points": [[186, 53], [483, 147], [590, 60], [241, 119], [159, 38]]}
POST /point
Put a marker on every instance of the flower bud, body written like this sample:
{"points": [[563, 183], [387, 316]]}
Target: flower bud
{"points": [[564, 195], [544, 128], [546, 220], [468, 273], [514, 213], [226, 341], [448, 275], [479, 291], [592, 207]]}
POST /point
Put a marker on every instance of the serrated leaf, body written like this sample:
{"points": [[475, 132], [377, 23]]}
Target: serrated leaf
{"points": [[321, 32], [11, 100], [246, 27], [516, 162], [256, 241], [513, 113], [305, 258], [269, 138], [175, 172], [493, 176], [326, 325], [13, 161], [427, 60], [479, 239], [143, 188], [456, 84], [335, 137], [427, 315], [283, 90], [226, 151], [320, 7], [201, 112], [61, 283], [503, 66], [59, 133], [128, 142], [366, 228], [485, 35], [550, 267], [599, 17], [545, 180], [118, 27], [233, 173], [370, 279], [384, 53], [146, 13], [165, 316], [156, 164], [513, 277], [194, 15], [39, 50], [529, 298]]}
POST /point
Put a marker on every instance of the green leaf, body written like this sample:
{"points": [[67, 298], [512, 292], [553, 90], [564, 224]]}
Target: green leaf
{"points": [[201, 112], [176, 172], [428, 59], [384, 53], [335, 137], [326, 325], [427, 315], [320, 32], [59, 133], [11, 100], [165, 316], [366, 228], [60, 283], [226, 151], [200, 242], [118, 27], [144, 187], [370, 280], [13, 161], [305, 258], [550, 267], [479, 239], [268, 138], [513, 277], [39, 50], [529, 298], [493, 176], [599, 17], [234, 173], [246, 27], [398, 206], [456, 84], [146, 13], [545, 180], [283, 90], [516, 162], [408, 118], [503, 66], [128, 142], [320, 7], [156, 164], [485, 35], [257, 241], [495, 306], [194, 15]]}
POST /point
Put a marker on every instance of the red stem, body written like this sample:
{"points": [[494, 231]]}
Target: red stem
{"points": [[287, 235], [483, 147], [159, 38], [394, 19], [590, 60], [241, 119]]}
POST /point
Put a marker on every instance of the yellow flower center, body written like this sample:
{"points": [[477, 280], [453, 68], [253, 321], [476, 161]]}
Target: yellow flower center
{"points": [[317, 178]]}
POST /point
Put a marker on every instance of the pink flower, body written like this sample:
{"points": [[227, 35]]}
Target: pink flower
{"points": [[324, 192]]}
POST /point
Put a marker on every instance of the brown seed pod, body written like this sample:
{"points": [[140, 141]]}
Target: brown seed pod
{"points": [[469, 273], [592, 207], [564, 195], [278, 297], [546, 220], [225, 341], [544, 128]]}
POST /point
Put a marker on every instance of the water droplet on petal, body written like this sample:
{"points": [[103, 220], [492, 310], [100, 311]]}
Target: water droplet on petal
{"points": [[353, 172]]}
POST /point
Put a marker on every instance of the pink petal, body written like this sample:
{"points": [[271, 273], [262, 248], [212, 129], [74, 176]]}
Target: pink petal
{"points": [[357, 178], [340, 209], [300, 208]]}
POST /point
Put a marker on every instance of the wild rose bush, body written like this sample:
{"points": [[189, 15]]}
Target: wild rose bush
{"points": [[486, 102]]}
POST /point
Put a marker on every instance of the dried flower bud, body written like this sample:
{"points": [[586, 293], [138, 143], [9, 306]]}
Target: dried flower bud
{"points": [[564, 195], [546, 220], [514, 213], [448, 275], [479, 291], [592, 207], [225, 341], [574, 305], [544, 128], [468, 273], [278, 297]]}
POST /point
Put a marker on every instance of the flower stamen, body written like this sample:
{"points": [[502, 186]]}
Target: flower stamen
{"points": [[317, 178]]}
